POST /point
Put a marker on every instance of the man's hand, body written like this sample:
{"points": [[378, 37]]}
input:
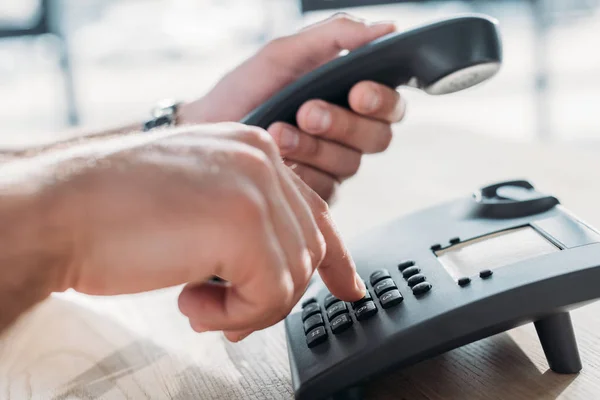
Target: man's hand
{"points": [[159, 209], [327, 147]]}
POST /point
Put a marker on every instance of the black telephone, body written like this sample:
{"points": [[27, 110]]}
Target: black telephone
{"points": [[445, 277]]}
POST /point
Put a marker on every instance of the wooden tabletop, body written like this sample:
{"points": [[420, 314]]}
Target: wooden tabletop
{"points": [[140, 347]]}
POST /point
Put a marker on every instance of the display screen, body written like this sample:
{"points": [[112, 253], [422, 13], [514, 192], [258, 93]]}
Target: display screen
{"points": [[494, 251]]}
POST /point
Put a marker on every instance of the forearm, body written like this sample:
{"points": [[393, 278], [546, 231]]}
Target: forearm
{"points": [[34, 248], [71, 138]]}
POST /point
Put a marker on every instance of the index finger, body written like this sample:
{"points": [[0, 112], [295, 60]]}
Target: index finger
{"points": [[337, 268]]}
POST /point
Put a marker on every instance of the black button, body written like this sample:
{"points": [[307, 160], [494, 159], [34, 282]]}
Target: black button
{"points": [[341, 323], [310, 309], [486, 273], [330, 299], [415, 279], [454, 240], [365, 311], [313, 322], [308, 301], [405, 264], [316, 336], [391, 298], [408, 272], [464, 281], [336, 309], [436, 247], [379, 275], [384, 286], [421, 288], [366, 298]]}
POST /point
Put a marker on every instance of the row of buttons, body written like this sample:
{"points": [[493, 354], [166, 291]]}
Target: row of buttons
{"points": [[385, 288], [338, 313], [414, 278], [486, 273]]}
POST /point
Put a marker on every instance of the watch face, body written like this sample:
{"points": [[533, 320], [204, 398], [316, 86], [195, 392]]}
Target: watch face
{"points": [[166, 106]]}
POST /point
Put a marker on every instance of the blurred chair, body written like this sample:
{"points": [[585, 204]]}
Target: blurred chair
{"points": [[46, 22]]}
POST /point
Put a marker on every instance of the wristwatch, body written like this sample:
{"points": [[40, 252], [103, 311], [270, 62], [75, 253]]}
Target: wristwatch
{"points": [[163, 115]]}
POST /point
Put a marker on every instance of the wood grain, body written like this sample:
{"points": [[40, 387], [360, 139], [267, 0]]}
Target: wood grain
{"points": [[139, 347]]}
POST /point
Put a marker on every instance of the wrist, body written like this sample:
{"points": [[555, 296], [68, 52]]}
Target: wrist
{"points": [[36, 240]]}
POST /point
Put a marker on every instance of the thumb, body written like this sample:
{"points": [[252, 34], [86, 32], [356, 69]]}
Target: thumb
{"points": [[317, 44]]}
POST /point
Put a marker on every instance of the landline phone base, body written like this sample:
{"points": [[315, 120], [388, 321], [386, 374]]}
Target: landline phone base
{"points": [[445, 277]]}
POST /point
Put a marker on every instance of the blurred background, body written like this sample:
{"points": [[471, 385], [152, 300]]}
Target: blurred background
{"points": [[102, 62]]}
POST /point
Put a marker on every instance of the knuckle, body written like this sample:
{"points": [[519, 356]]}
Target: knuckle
{"points": [[283, 292], [319, 206], [346, 20], [312, 148], [257, 165], [384, 140], [259, 138], [353, 166]]}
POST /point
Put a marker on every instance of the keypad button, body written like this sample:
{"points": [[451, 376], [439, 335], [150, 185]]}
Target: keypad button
{"points": [[405, 264], [364, 299], [379, 275], [336, 309], [486, 273], [340, 323], [330, 299], [464, 281], [384, 286], [408, 272], [391, 298], [316, 336], [415, 280], [421, 288], [308, 301], [313, 322], [309, 310], [365, 311]]}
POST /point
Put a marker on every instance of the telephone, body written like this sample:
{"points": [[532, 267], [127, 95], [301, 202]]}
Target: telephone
{"points": [[445, 277]]}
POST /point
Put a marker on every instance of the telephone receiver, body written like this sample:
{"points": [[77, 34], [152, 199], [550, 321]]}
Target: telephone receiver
{"points": [[438, 58]]}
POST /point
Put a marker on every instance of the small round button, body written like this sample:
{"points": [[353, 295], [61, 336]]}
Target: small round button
{"points": [[410, 271], [405, 264], [464, 281], [454, 240], [421, 288], [486, 273], [436, 247], [415, 280]]}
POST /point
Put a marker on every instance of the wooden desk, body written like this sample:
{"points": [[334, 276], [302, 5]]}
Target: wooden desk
{"points": [[139, 347]]}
